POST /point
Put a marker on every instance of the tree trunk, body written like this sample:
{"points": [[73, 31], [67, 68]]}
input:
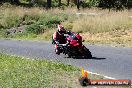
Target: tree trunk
{"points": [[48, 4], [15, 2], [59, 4], [68, 1], [78, 4]]}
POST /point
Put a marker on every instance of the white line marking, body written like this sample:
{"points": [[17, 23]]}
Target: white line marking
{"points": [[101, 75]]}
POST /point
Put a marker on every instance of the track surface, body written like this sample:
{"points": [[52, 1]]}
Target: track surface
{"points": [[110, 61]]}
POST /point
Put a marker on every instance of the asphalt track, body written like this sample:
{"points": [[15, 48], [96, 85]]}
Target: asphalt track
{"points": [[111, 61]]}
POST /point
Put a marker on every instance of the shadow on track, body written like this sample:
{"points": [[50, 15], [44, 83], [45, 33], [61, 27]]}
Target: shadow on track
{"points": [[94, 58]]}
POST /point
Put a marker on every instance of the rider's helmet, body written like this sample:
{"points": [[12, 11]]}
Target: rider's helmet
{"points": [[61, 29]]}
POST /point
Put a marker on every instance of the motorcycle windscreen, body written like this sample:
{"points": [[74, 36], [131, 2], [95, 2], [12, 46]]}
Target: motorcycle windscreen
{"points": [[73, 39]]}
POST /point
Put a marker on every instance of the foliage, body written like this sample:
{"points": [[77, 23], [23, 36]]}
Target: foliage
{"points": [[117, 4], [34, 28], [22, 72], [12, 17], [9, 20], [90, 3], [29, 19], [41, 23], [49, 20], [45, 22]]}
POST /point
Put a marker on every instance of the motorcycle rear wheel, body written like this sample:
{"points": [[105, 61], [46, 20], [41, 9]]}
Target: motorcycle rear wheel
{"points": [[87, 53]]}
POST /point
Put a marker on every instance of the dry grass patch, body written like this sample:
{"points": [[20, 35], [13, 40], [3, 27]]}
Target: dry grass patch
{"points": [[123, 38], [47, 35], [104, 27], [103, 23]]}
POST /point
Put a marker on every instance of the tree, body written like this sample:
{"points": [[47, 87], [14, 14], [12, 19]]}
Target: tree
{"points": [[116, 4], [68, 1], [49, 4], [15, 2], [59, 4], [78, 4], [11, 1]]}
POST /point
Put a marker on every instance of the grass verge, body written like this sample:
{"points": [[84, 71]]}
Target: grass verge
{"points": [[18, 72]]}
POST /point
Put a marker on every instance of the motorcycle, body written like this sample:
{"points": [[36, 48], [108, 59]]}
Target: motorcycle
{"points": [[74, 46]]}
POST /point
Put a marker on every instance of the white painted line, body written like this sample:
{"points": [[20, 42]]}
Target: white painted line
{"points": [[109, 77], [101, 75]]}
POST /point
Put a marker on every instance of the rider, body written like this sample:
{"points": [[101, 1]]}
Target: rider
{"points": [[59, 38]]}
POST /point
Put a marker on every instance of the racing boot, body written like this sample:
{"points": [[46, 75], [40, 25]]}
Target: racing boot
{"points": [[57, 51]]}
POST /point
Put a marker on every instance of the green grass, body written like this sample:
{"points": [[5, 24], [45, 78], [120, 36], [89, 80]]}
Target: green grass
{"points": [[18, 72]]}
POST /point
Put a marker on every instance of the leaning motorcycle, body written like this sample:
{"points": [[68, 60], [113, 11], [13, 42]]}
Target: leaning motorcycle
{"points": [[74, 47]]}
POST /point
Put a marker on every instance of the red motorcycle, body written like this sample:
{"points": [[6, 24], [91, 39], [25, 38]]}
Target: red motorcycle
{"points": [[74, 47]]}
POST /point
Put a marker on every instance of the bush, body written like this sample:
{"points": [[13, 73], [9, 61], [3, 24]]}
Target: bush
{"points": [[116, 4], [10, 21], [30, 19], [2, 33], [90, 3], [38, 2], [45, 21], [34, 28], [49, 21]]}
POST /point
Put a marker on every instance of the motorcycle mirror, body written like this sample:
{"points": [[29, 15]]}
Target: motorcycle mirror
{"points": [[83, 40], [65, 34]]}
